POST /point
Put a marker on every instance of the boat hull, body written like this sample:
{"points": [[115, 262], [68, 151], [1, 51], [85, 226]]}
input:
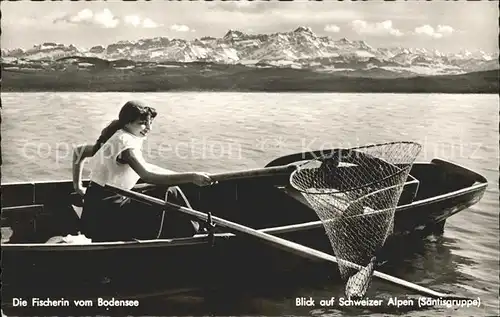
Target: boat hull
{"points": [[32, 268]]}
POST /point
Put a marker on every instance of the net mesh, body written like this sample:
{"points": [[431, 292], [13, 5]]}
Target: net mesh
{"points": [[355, 193]]}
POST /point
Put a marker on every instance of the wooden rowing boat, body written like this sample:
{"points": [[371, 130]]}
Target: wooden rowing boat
{"points": [[35, 212]]}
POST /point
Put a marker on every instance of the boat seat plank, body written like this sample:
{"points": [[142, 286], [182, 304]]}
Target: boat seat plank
{"points": [[20, 211], [295, 194], [409, 192]]}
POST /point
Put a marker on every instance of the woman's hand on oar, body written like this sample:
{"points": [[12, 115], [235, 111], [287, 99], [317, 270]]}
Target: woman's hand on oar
{"points": [[202, 179]]}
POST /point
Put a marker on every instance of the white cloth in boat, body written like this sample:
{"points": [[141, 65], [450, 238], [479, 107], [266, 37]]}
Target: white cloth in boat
{"points": [[105, 170]]}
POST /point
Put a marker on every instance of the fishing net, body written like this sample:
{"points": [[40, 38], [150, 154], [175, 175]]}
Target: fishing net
{"points": [[355, 193]]}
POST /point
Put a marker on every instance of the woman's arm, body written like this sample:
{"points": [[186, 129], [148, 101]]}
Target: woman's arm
{"points": [[80, 153], [158, 169], [156, 175]]}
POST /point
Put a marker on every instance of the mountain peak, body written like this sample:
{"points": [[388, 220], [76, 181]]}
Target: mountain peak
{"points": [[233, 35], [345, 40], [303, 29], [364, 45]]}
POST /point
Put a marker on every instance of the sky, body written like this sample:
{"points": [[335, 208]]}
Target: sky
{"points": [[443, 25]]}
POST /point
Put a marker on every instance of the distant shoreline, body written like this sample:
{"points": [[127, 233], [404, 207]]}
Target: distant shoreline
{"points": [[3, 90], [240, 79], [248, 92]]}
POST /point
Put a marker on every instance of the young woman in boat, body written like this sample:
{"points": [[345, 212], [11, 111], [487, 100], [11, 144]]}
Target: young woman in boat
{"points": [[116, 159]]}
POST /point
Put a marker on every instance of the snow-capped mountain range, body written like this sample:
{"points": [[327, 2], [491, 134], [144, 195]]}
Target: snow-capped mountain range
{"points": [[300, 48]]}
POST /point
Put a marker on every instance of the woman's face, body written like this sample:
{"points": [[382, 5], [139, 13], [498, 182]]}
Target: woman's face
{"points": [[140, 127]]}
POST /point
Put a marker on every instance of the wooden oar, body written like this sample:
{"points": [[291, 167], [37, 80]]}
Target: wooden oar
{"points": [[255, 173], [279, 242]]}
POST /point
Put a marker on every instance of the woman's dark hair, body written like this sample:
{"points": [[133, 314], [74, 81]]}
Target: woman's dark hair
{"points": [[130, 112]]}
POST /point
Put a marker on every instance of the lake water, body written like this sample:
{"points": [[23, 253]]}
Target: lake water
{"points": [[217, 132]]}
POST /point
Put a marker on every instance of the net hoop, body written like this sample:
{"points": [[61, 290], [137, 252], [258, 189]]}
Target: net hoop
{"points": [[355, 156]]}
